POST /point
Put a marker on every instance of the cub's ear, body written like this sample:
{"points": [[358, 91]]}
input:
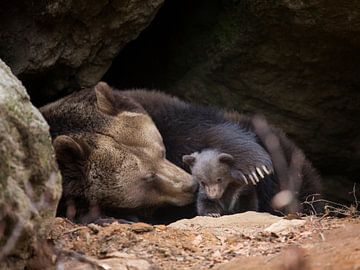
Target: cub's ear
{"points": [[189, 159], [68, 150], [226, 158], [105, 99]]}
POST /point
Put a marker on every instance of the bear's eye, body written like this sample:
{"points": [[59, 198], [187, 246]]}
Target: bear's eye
{"points": [[218, 180], [202, 183]]}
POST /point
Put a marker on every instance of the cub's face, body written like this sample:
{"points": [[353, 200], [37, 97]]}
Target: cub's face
{"points": [[211, 169]]}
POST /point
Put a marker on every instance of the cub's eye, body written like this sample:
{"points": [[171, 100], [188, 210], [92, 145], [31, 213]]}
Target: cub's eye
{"points": [[202, 183], [218, 180]]}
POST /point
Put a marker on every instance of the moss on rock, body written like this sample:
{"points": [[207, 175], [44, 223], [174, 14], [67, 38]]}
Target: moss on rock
{"points": [[30, 183]]}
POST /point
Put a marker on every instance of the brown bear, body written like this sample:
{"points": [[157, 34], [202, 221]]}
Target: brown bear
{"points": [[112, 157], [188, 128], [220, 192]]}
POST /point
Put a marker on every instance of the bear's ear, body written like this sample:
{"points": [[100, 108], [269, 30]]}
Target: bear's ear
{"points": [[226, 158], [105, 99], [68, 150], [189, 159]]}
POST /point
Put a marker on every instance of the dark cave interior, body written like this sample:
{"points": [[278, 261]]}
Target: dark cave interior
{"points": [[148, 61]]}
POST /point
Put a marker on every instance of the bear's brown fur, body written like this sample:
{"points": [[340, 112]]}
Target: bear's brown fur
{"points": [[111, 155]]}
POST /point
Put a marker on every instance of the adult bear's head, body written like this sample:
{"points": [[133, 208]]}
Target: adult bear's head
{"points": [[110, 152]]}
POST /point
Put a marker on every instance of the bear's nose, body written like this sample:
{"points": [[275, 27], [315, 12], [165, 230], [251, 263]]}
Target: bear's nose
{"points": [[191, 188]]}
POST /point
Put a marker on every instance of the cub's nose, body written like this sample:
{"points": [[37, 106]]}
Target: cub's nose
{"points": [[190, 188]]}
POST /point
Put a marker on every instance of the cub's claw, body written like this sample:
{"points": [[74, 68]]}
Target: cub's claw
{"points": [[260, 172], [266, 170], [252, 179], [244, 178], [255, 176]]}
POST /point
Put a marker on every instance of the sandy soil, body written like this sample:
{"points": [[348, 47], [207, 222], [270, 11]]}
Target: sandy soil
{"points": [[244, 241]]}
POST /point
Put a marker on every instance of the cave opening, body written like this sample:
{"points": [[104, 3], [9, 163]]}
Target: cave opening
{"points": [[159, 56]]}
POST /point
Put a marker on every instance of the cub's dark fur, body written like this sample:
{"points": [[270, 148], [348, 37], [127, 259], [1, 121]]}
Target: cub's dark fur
{"points": [[220, 193]]}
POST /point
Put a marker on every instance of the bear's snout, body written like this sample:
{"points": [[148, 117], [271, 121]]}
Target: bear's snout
{"points": [[190, 188]]}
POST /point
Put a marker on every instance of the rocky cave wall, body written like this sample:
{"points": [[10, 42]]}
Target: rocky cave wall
{"points": [[57, 46], [295, 61]]}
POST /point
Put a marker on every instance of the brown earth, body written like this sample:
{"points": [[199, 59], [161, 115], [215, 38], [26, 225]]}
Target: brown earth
{"points": [[243, 241]]}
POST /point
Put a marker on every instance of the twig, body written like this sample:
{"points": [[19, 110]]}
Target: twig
{"points": [[75, 230], [355, 198], [336, 208]]}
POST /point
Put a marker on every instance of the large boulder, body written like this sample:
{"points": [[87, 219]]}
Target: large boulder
{"points": [[30, 183], [295, 61], [59, 45]]}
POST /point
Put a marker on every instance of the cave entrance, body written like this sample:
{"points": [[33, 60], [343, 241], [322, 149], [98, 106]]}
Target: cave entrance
{"points": [[160, 55]]}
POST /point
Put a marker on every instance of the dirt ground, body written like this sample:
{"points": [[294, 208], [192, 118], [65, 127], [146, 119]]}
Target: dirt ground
{"points": [[243, 241]]}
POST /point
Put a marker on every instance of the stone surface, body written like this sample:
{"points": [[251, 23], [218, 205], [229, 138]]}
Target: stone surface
{"points": [[240, 223], [285, 225], [339, 249], [59, 45], [297, 62], [30, 184], [114, 261]]}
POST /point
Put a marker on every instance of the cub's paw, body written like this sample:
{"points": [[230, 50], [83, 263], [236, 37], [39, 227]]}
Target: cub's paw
{"points": [[253, 175], [216, 215]]}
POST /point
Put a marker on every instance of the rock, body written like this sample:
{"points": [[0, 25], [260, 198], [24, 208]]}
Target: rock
{"points": [[285, 225], [114, 261], [198, 239], [294, 258], [59, 45], [30, 182], [141, 227], [94, 227], [297, 62], [248, 222]]}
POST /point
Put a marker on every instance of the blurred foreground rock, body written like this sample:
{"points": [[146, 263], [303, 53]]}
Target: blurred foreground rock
{"points": [[30, 184], [114, 261]]}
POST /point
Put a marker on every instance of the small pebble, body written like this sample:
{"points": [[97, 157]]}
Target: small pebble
{"points": [[141, 227]]}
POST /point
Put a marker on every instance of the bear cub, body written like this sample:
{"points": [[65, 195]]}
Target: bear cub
{"points": [[223, 190]]}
